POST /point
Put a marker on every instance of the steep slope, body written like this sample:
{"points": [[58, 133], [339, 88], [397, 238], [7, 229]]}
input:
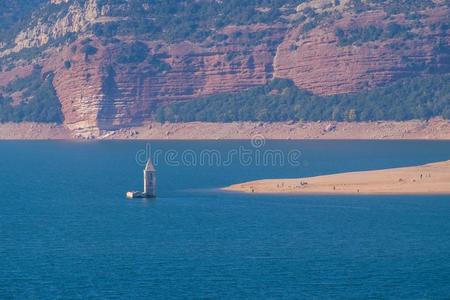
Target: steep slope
{"points": [[116, 62], [111, 88], [365, 50]]}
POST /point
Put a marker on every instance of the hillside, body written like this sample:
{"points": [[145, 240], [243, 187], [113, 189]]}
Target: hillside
{"points": [[108, 64]]}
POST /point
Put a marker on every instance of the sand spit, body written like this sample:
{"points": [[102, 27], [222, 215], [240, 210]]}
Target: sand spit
{"points": [[431, 178]]}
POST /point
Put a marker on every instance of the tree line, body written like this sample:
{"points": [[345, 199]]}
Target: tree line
{"points": [[281, 100]]}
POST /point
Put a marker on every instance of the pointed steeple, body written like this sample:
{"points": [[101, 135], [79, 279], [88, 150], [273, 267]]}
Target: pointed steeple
{"points": [[149, 166], [149, 183]]}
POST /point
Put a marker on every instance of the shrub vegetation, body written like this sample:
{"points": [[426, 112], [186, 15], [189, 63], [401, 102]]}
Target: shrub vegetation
{"points": [[281, 100], [39, 100]]}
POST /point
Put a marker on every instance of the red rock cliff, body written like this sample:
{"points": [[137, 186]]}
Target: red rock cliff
{"points": [[97, 91], [315, 61]]}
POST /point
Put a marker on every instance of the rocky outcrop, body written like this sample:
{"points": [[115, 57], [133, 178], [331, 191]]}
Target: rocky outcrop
{"points": [[98, 91], [74, 19], [315, 61]]}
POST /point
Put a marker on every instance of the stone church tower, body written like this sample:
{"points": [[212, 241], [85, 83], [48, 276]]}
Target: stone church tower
{"points": [[149, 180]]}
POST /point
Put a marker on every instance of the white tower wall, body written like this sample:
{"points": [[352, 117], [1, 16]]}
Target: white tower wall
{"points": [[149, 180]]}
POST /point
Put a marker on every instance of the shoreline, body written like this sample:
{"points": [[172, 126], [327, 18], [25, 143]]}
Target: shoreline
{"points": [[428, 179], [229, 191], [337, 195], [434, 129]]}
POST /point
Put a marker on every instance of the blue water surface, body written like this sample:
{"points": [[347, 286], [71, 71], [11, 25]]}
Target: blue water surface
{"points": [[67, 231]]}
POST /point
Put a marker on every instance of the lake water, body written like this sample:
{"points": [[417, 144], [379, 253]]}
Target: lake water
{"points": [[67, 231]]}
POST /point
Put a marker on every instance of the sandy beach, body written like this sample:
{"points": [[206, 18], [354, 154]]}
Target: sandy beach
{"points": [[433, 178]]}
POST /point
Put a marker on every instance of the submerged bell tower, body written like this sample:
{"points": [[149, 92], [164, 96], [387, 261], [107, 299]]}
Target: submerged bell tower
{"points": [[149, 180], [149, 183]]}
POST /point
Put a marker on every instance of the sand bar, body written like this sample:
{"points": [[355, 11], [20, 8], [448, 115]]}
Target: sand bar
{"points": [[431, 178]]}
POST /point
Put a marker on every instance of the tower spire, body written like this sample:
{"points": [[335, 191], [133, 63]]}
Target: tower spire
{"points": [[149, 166], [149, 183]]}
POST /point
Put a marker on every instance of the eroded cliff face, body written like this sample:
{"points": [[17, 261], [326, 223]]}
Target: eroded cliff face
{"points": [[99, 91], [316, 61]]}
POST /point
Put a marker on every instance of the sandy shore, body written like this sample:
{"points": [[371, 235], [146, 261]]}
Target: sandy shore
{"points": [[428, 130], [431, 178]]}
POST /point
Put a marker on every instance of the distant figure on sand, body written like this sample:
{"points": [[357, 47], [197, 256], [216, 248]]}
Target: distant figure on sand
{"points": [[393, 181]]}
